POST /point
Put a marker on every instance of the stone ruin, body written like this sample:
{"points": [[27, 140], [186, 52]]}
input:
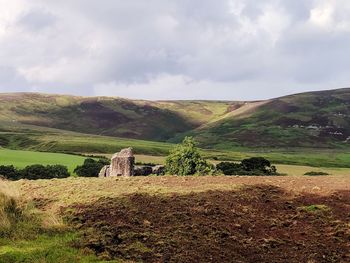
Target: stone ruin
{"points": [[123, 164]]}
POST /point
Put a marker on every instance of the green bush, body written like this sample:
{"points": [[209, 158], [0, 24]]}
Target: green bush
{"points": [[34, 172], [185, 159], [91, 167], [313, 173], [9, 172], [38, 171], [251, 166], [229, 168]]}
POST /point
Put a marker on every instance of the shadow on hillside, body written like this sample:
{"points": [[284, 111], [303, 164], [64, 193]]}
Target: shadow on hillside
{"points": [[255, 224]]}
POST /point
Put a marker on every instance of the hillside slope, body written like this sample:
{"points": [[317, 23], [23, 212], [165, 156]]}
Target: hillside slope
{"points": [[158, 121], [315, 119]]}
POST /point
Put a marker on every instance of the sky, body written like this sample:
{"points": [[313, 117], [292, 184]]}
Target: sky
{"points": [[174, 49]]}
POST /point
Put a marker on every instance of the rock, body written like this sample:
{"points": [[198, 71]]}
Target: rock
{"points": [[105, 171], [122, 163], [143, 171], [158, 170]]}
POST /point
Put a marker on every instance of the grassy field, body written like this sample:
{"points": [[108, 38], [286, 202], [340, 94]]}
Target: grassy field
{"points": [[20, 159], [30, 137], [34, 138]]}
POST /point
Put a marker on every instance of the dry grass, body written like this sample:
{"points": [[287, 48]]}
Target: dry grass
{"points": [[52, 195]]}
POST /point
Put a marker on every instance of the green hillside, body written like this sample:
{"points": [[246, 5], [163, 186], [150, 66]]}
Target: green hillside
{"points": [[308, 120], [156, 121], [313, 120]]}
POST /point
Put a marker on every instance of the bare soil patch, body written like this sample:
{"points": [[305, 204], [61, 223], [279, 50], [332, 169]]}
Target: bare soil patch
{"points": [[256, 223]]}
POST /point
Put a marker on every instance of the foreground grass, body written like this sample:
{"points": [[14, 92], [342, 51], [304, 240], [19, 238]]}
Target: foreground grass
{"points": [[52, 195], [44, 248], [24, 238]]}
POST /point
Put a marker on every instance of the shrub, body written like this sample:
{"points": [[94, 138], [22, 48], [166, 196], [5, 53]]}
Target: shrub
{"points": [[255, 164], [9, 172], [229, 168], [251, 166], [313, 173], [91, 167], [185, 159], [34, 172], [38, 171]]}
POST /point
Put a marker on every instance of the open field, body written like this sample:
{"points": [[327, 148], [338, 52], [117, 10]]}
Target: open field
{"points": [[299, 170], [20, 159], [152, 219], [34, 138]]}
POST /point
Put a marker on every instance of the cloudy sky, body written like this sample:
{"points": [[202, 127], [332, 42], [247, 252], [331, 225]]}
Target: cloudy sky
{"points": [[174, 49]]}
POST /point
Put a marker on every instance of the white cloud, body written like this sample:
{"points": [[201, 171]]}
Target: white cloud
{"points": [[322, 15], [174, 49]]}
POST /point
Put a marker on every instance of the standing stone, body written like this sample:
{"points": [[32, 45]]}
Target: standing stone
{"points": [[122, 163], [105, 171]]}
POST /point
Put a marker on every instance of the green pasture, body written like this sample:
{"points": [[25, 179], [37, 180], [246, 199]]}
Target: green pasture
{"points": [[20, 159]]}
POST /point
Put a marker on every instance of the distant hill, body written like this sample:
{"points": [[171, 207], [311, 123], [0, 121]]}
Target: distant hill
{"points": [[315, 119]]}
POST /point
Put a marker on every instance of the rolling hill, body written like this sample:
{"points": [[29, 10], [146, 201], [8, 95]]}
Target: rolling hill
{"points": [[315, 119]]}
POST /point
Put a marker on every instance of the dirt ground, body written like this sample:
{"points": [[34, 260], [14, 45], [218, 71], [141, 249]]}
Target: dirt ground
{"points": [[203, 219], [254, 224]]}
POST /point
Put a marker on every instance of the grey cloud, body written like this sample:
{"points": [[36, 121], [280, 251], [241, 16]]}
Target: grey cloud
{"points": [[166, 49], [37, 20]]}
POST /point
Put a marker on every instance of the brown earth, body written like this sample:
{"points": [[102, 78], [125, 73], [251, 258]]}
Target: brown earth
{"points": [[254, 223]]}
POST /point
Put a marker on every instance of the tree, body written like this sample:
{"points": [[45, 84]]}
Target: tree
{"points": [[91, 167], [229, 168], [185, 159], [251, 166], [256, 164]]}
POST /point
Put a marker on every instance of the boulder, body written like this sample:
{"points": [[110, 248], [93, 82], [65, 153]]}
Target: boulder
{"points": [[143, 170], [158, 170], [122, 163], [105, 171]]}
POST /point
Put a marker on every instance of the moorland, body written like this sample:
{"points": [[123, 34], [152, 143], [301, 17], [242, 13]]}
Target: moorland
{"points": [[291, 217]]}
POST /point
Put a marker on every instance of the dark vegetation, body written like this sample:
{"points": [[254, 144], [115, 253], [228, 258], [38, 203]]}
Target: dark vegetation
{"points": [[251, 166], [34, 172], [313, 173], [254, 224], [91, 167]]}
